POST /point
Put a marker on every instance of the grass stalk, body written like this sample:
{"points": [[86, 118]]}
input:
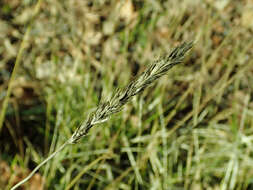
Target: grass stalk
{"points": [[39, 166], [118, 100], [17, 64]]}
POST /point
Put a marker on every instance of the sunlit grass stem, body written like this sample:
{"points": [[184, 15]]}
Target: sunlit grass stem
{"points": [[17, 64], [120, 98]]}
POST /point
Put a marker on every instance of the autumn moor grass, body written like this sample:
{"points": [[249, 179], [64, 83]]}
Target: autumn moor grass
{"points": [[191, 130]]}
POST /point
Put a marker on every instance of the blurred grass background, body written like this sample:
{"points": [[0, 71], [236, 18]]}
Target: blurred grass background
{"points": [[193, 129]]}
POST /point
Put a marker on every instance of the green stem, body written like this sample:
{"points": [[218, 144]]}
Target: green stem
{"points": [[41, 164], [17, 64]]}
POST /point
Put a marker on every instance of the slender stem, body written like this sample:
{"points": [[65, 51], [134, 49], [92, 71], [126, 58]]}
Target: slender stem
{"points": [[17, 63], [104, 110], [41, 164]]}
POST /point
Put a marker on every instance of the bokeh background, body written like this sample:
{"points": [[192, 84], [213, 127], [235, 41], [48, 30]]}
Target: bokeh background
{"points": [[192, 129]]}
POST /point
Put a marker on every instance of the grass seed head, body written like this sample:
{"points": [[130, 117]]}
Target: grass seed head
{"points": [[122, 96]]}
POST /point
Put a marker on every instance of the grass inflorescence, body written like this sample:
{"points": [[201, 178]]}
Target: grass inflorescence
{"points": [[121, 97]]}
